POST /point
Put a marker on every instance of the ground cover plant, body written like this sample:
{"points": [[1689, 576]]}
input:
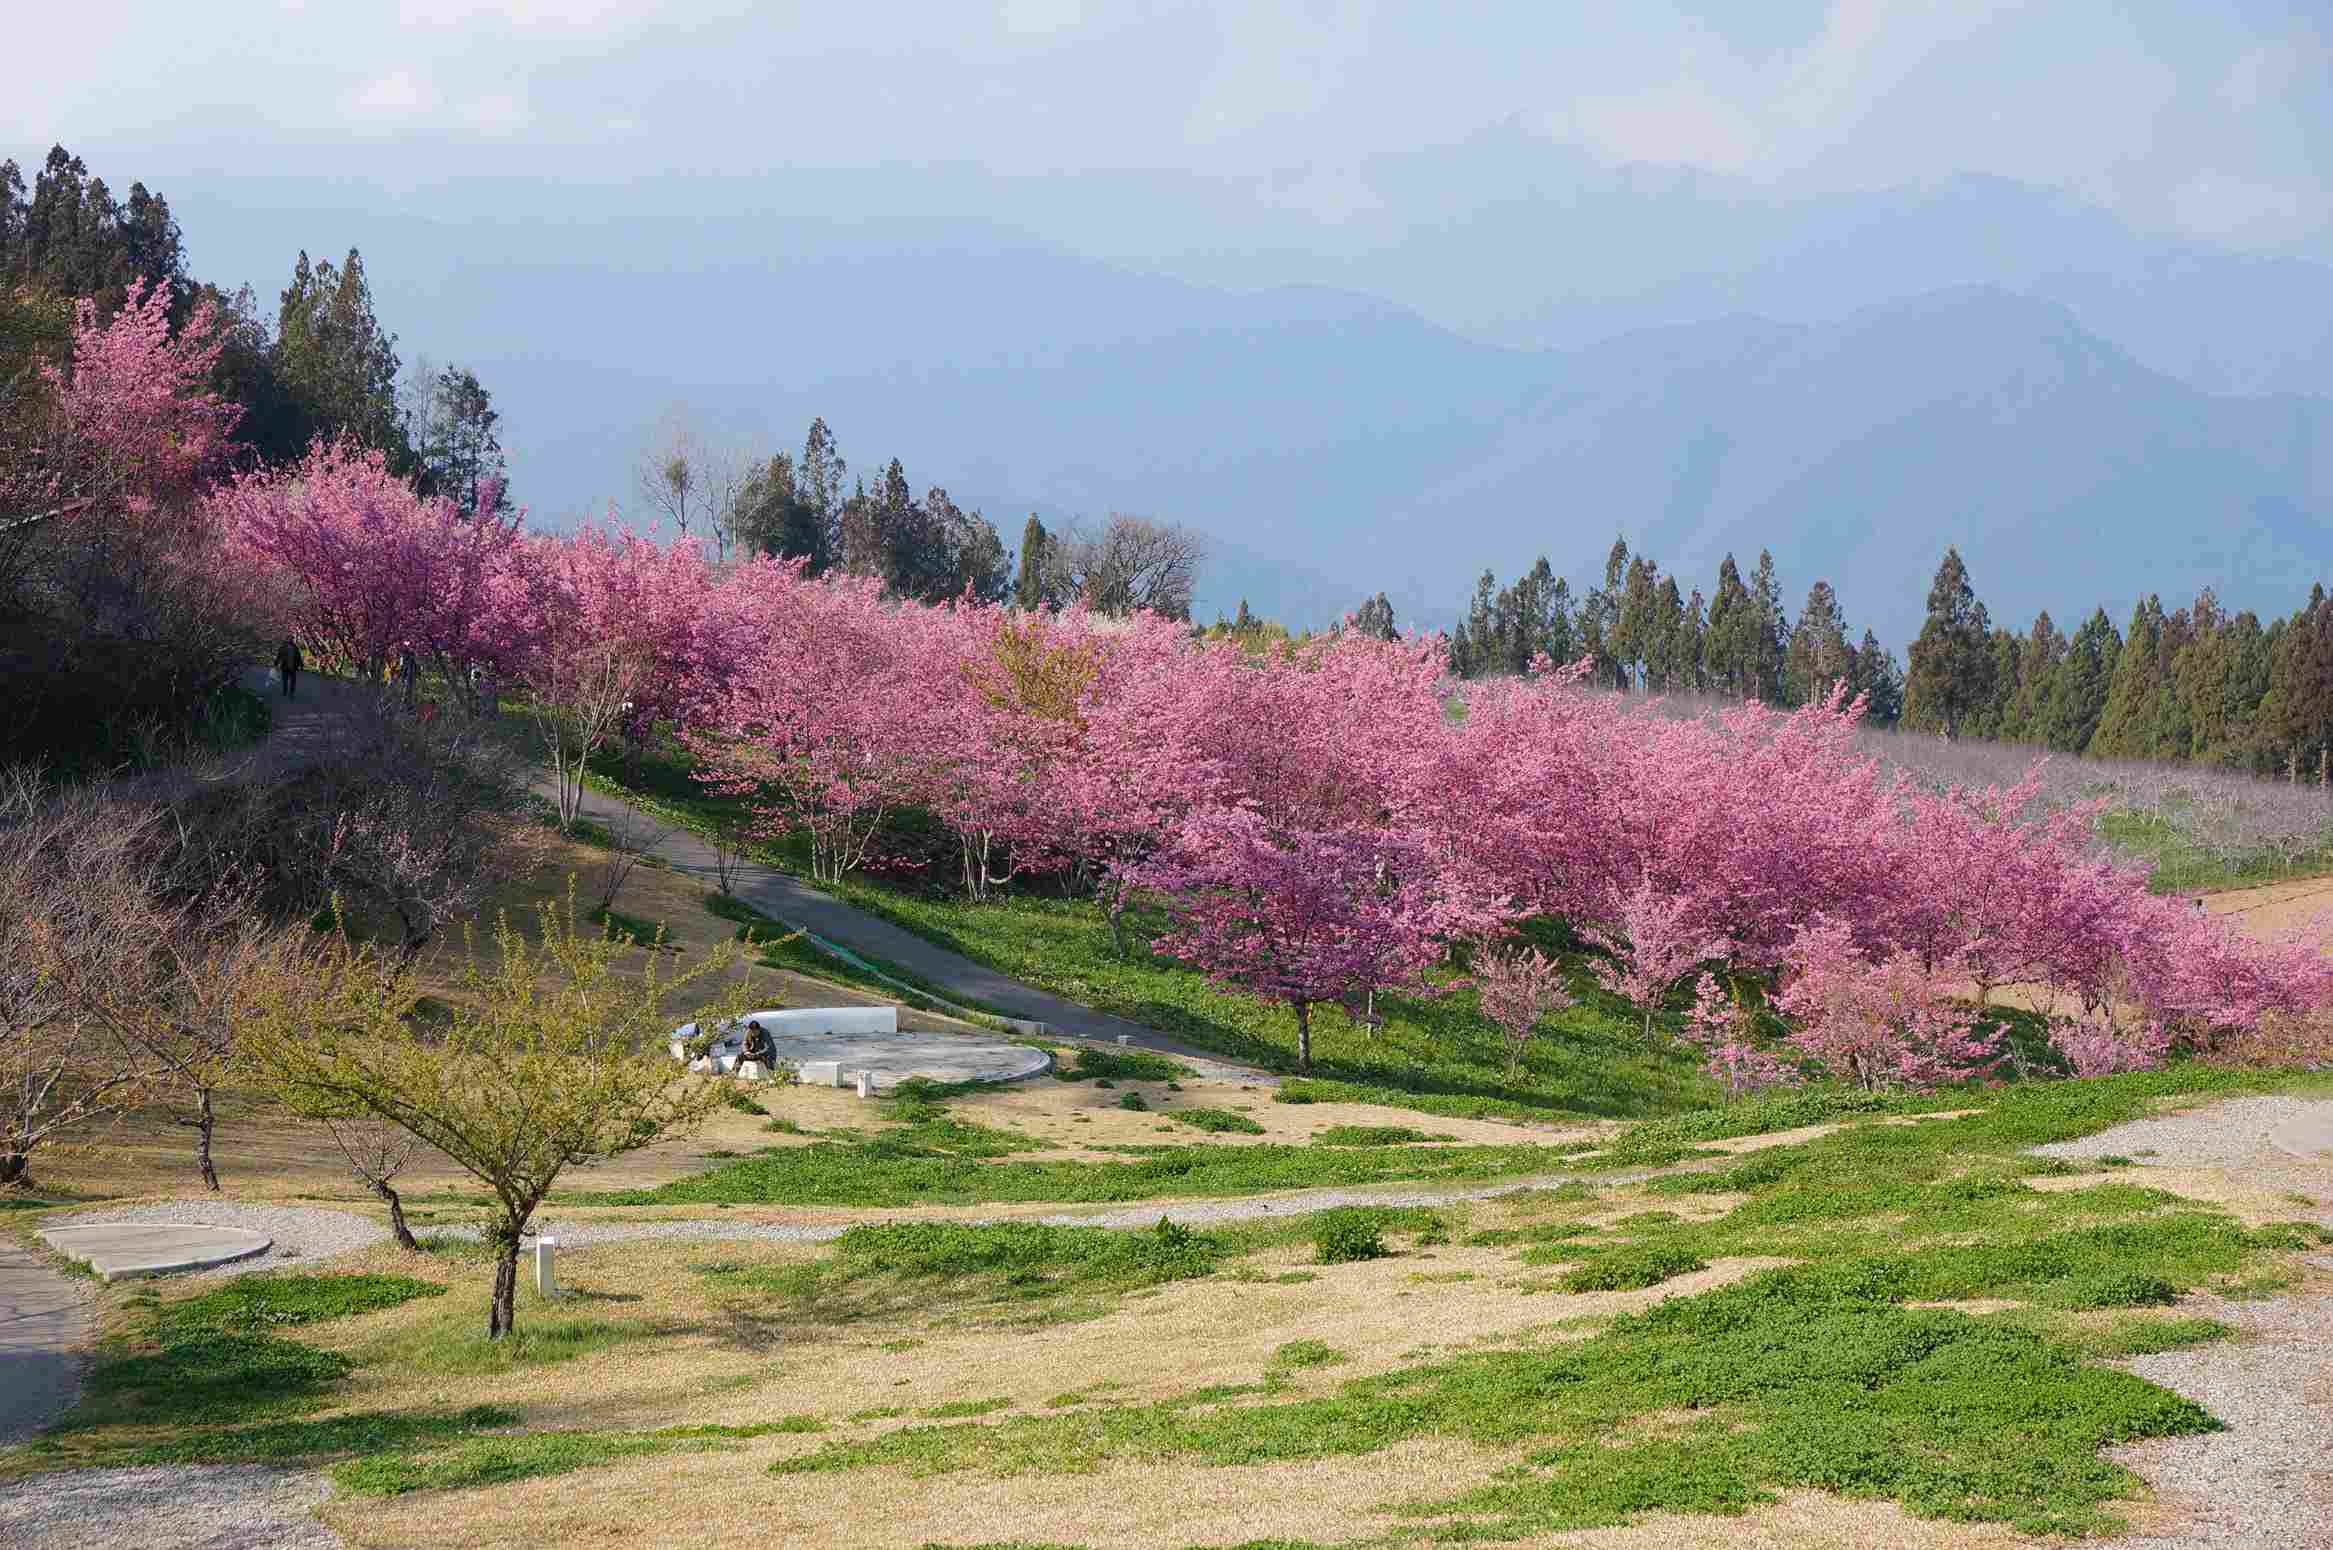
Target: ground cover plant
{"points": [[1820, 1374]]}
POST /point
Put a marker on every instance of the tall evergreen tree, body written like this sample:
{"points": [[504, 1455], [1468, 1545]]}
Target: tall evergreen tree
{"points": [[1949, 680], [338, 360], [2075, 698], [1731, 650], [1691, 650], [1771, 643], [1819, 653], [456, 442], [1029, 589], [2129, 727], [1873, 676]]}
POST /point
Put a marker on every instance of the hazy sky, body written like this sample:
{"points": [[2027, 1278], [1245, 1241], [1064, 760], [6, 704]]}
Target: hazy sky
{"points": [[2209, 120]]}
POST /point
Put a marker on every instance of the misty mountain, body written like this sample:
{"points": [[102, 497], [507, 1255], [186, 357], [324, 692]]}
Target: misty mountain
{"points": [[1333, 446]]}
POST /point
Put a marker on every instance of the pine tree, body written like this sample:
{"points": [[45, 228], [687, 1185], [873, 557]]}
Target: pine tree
{"points": [[1773, 637], [1873, 676], [1665, 657], [1731, 648], [337, 359], [1950, 677], [2076, 695], [1819, 653], [1036, 558], [1692, 646], [2128, 726]]}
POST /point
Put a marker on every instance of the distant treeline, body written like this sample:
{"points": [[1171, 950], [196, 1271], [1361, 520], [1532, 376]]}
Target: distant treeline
{"points": [[1639, 630], [321, 366], [2195, 683]]}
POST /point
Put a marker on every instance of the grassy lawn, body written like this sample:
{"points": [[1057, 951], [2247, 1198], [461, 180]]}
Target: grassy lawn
{"points": [[2181, 865], [1903, 1309], [1437, 1055]]}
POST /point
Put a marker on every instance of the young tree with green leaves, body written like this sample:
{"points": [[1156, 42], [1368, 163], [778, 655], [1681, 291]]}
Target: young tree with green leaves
{"points": [[553, 1057]]}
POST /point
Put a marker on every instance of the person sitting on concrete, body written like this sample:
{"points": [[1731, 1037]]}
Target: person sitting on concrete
{"points": [[759, 1046]]}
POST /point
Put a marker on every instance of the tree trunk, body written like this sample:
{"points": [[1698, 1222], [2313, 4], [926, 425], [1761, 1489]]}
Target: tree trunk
{"points": [[503, 1317], [206, 1120], [1303, 1036], [397, 1227]]}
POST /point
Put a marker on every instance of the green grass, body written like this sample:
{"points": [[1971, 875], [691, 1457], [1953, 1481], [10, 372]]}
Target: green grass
{"points": [[214, 1359], [1374, 1135], [1098, 1063], [1819, 1375], [893, 1170], [254, 1303], [2181, 865], [1217, 1121]]}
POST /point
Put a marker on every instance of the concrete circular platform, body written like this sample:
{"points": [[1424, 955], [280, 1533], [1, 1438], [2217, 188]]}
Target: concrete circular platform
{"points": [[892, 1058], [2309, 1134], [120, 1250]]}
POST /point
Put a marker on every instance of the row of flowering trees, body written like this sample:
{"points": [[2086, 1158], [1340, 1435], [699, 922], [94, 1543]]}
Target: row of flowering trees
{"points": [[1323, 821]]}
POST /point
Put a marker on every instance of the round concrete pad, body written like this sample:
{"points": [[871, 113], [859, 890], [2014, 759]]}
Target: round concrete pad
{"points": [[891, 1058], [118, 1250], [2307, 1135]]}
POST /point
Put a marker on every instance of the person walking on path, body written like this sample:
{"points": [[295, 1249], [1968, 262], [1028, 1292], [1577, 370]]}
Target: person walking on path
{"points": [[287, 666], [409, 671]]}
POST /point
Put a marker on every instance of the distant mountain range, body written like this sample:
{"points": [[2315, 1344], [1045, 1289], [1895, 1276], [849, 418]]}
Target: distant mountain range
{"points": [[2105, 416], [1333, 446]]}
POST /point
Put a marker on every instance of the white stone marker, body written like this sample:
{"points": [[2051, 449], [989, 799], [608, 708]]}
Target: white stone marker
{"points": [[546, 1283], [1125, 1039], [821, 1073], [866, 1084]]}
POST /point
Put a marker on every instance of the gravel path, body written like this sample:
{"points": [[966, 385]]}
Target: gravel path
{"points": [[300, 1232], [2266, 1483], [2234, 1130], [165, 1507]]}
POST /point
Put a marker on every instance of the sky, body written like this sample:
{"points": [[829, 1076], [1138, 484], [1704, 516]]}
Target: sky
{"points": [[2211, 121]]}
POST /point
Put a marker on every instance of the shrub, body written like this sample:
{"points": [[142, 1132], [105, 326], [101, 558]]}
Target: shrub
{"points": [[1374, 1135], [2114, 1289], [1347, 1234], [1132, 1101], [1218, 1121], [1625, 1270], [1309, 1353]]}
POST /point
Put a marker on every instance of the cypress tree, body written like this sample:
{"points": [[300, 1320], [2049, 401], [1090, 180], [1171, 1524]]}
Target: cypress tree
{"points": [[1949, 678]]}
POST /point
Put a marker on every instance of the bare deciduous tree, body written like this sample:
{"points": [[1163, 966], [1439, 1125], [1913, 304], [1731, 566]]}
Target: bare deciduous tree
{"points": [[582, 692], [1132, 564], [630, 840], [72, 896], [377, 1152], [688, 477]]}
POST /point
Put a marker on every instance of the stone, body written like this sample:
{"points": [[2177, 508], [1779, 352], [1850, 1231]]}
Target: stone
{"points": [[546, 1279], [752, 1070], [1125, 1039], [866, 1083], [821, 1073]]}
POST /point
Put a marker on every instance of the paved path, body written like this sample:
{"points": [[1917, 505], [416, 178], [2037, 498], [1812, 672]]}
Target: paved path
{"points": [[787, 898], [44, 1323]]}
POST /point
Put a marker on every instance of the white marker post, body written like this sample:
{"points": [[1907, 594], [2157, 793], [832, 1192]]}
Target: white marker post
{"points": [[866, 1084], [546, 1282]]}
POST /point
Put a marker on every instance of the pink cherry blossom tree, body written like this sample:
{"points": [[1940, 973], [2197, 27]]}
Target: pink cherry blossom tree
{"points": [[1896, 1021], [1722, 1030], [1518, 987], [1307, 916], [1654, 943]]}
